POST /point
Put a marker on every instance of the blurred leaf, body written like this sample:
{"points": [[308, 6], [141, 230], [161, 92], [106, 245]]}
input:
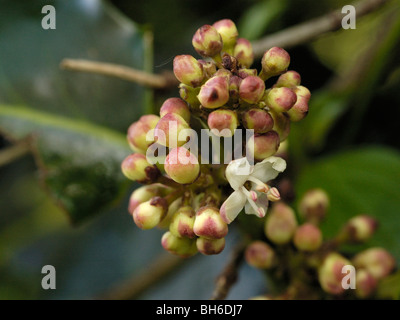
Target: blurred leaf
{"points": [[363, 181], [389, 287]]}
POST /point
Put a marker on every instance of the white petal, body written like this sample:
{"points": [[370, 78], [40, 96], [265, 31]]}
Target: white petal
{"points": [[237, 172], [232, 206], [269, 168]]}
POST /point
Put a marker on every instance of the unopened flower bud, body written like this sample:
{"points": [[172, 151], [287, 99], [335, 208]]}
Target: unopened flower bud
{"points": [[209, 224], [281, 124], [377, 261], [313, 205], [234, 84], [307, 237], [223, 122], [145, 193], [168, 129], [360, 228], [281, 99], [264, 145], [281, 223], [183, 247], [189, 94], [177, 106], [243, 52], [148, 214], [300, 109], [208, 246], [251, 89], [182, 166], [207, 41], [188, 70], [228, 31], [289, 79], [260, 255], [244, 73], [274, 62], [330, 274], [172, 209], [214, 93], [135, 167], [365, 284], [257, 119], [138, 130], [209, 68], [182, 222]]}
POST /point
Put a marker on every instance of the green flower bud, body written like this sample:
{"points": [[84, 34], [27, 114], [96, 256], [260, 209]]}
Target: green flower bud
{"points": [[228, 31], [183, 247], [182, 223], [243, 52], [313, 205], [136, 167], [172, 209], [214, 93], [188, 70], [281, 99], [300, 109], [289, 79], [251, 89], [210, 246], [365, 284], [260, 255], [330, 274], [182, 166], [234, 84], [148, 214], [257, 119], [207, 41], [360, 228], [281, 223], [281, 124], [223, 122], [168, 129], [308, 237], [138, 130], [189, 94], [209, 224], [177, 106], [209, 68], [274, 62], [377, 261], [244, 73], [145, 193], [264, 145]]}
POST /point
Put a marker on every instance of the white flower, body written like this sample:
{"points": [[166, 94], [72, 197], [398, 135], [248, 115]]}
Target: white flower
{"points": [[255, 201]]}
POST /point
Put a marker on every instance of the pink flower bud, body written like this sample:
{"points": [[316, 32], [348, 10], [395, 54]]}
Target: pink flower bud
{"points": [[274, 62], [223, 122], [214, 93], [281, 223], [210, 246], [260, 255], [207, 41], [251, 89], [307, 237], [209, 224], [330, 274], [143, 194], [313, 205], [300, 109], [377, 261], [264, 145], [188, 70], [257, 119], [183, 247], [136, 167], [182, 166], [243, 52], [289, 79], [168, 129], [148, 214], [281, 124], [228, 31], [281, 99], [177, 106], [365, 284], [182, 223], [360, 228], [138, 130]]}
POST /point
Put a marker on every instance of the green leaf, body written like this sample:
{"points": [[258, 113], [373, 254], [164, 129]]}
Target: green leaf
{"points": [[363, 181]]}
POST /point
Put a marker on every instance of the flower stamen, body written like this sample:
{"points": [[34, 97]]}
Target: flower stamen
{"points": [[261, 186]]}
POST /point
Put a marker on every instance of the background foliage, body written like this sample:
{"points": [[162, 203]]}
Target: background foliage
{"points": [[65, 203]]}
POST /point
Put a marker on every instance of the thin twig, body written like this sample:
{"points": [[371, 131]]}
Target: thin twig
{"points": [[155, 81], [140, 282], [14, 152], [229, 275], [310, 30]]}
